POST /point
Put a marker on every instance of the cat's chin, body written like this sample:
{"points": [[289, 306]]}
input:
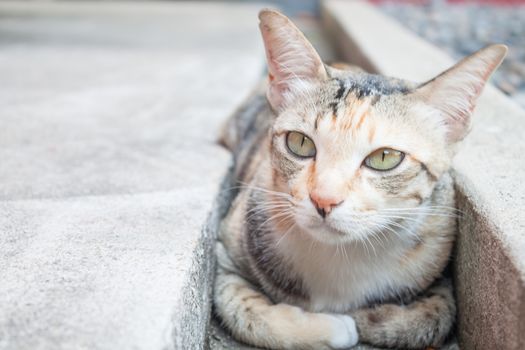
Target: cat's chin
{"points": [[328, 234]]}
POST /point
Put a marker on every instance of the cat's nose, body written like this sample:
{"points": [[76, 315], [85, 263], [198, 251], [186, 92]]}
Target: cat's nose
{"points": [[324, 205]]}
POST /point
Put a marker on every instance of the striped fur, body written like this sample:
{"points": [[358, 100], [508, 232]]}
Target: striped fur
{"points": [[370, 266]]}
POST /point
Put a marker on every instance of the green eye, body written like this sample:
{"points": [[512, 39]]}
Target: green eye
{"points": [[384, 159], [300, 144]]}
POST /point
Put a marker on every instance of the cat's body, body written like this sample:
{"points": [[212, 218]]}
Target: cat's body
{"points": [[322, 246]]}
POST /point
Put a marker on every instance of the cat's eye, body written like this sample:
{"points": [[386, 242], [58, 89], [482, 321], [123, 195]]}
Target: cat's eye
{"points": [[300, 144], [384, 159]]}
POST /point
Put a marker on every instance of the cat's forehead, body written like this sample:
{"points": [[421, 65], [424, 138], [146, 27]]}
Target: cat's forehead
{"points": [[347, 99], [362, 85]]}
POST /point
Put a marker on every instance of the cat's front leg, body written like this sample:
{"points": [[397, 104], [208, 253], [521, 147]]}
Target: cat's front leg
{"points": [[252, 318], [426, 322]]}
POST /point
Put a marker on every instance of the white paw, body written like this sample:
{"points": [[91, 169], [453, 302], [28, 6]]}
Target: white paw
{"points": [[345, 332]]}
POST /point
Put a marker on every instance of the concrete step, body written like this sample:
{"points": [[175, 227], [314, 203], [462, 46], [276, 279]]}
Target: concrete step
{"points": [[490, 255], [109, 168]]}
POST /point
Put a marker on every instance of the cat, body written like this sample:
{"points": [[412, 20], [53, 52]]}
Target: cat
{"points": [[345, 216]]}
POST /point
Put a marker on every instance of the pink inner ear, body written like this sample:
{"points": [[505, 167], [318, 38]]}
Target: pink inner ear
{"points": [[456, 91], [272, 64], [275, 95], [289, 55], [286, 58]]}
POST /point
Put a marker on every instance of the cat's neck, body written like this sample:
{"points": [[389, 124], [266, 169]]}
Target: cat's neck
{"points": [[339, 277]]}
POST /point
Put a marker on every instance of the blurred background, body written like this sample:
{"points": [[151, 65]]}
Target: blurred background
{"points": [[459, 27]]}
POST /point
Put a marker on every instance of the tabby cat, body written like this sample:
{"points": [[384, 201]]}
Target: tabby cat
{"points": [[345, 220]]}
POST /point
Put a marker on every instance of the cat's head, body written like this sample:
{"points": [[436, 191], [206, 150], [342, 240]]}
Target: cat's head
{"points": [[350, 146]]}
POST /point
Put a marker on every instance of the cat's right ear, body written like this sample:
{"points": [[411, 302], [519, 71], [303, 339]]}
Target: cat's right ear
{"points": [[454, 92], [292, 60]]}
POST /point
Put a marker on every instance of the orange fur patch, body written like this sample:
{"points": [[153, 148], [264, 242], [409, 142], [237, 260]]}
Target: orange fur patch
{"points": [[361, 120], [356, 110], [371, 134], [311, 178]]}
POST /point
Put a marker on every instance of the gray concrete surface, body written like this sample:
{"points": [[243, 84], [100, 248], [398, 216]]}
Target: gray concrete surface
{"points": [[490, 254], [109, 168]]}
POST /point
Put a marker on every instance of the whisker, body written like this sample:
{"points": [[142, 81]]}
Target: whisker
{"points": [[262, 212], [279, 215], [284, 235], [261, 189], [429, 209]]}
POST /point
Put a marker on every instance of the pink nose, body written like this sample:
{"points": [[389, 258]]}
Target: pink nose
{"points": [[324, 205]]}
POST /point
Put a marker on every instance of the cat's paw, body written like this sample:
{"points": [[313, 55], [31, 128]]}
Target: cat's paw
{"points": [[345, 332]]}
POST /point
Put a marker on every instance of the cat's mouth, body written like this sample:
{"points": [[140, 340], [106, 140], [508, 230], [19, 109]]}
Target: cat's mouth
{"points": [[326, 229], [335, 230]]}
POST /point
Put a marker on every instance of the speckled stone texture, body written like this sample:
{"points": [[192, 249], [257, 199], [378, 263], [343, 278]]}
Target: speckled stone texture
{"points": [[490, 255], [461, 29], [109, 169]]}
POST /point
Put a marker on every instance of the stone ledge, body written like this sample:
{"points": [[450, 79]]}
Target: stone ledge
{"points": [[490, 257]]}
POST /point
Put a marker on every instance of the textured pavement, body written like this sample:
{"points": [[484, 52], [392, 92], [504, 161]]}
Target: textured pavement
{"points": [[109, 168]]}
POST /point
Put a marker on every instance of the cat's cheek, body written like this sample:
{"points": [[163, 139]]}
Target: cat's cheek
{"points": [[304, 221], [344, 332]]}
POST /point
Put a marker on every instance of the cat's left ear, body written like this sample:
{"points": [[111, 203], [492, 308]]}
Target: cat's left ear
{"points": [[455, 91], [292, 60]]}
